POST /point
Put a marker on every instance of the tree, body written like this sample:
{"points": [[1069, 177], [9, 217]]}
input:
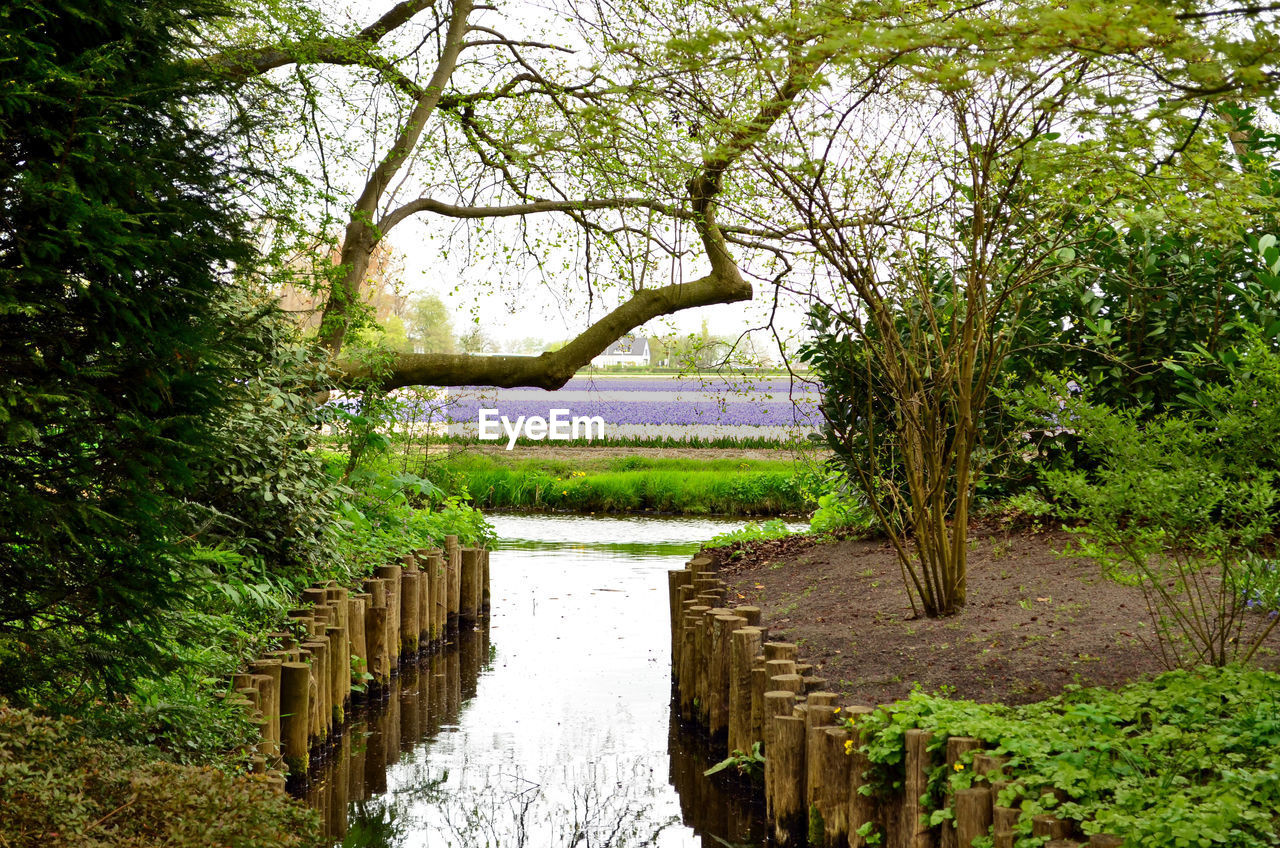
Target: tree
{"points": [[528, 136], [928, 241], [638, 138], [118, 226], [430, 327], [921, 312]]}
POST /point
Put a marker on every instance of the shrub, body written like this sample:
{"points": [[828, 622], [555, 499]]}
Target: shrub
{"points": [[1183, 506], [1185, 759], [59, 787]]}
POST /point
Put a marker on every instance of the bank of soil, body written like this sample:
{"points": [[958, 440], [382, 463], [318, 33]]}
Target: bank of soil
{"points": [[1035, 621]]}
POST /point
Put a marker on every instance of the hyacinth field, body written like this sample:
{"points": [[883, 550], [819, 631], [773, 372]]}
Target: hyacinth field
{"points": [[648, 408]]}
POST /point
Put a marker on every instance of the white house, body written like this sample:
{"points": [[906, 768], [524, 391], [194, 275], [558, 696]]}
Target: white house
{"points": [[627, 350]]}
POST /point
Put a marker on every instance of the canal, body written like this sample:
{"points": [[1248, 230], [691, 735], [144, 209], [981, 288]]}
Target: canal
{"points": [[552, 726]]}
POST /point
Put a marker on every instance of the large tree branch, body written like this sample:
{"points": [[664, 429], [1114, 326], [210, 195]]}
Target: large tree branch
{"points": [[533, 207], [724, 284], [244, 63], [552, 370]]}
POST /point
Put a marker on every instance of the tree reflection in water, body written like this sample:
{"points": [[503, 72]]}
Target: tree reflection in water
{"points": [[571, 742]]}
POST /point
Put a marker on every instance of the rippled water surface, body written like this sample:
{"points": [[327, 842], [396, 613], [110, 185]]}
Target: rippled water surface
{"points": [[552, 726]]}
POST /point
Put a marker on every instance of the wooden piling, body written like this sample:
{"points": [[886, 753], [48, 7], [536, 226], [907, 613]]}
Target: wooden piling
{"points": [[706, 656], [790, 682], [375, 632], [780, 651], [295, 715], [689, 661], [469, 588], [1004, 822], [863, 808], [391, 574], [270, 693], [776, 703], [356, 604], [1050, 826], [439, 594], [832, 796], [410, 597], [750, 613], [787, 752], [817, 718], [915, 830], [759, 685], [453, 578], [424, 602], [722, 627], [744, 645], [957, 748], [339, 672], [676, 580], [974, 815]]}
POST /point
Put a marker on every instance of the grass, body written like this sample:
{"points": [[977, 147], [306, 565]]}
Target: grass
{"points": [[681, 486]]}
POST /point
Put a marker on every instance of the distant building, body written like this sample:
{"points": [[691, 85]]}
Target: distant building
{"points": [[627, 350]]}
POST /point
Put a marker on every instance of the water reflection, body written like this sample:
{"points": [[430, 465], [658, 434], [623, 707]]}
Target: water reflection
{"points": [[557, 733]]}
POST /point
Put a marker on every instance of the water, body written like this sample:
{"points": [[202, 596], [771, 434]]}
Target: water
{"points": [[553, 727]]}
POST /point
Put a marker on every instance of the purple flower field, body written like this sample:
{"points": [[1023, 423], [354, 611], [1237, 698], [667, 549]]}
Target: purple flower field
{"points": [[775, 413], [646, 407]]}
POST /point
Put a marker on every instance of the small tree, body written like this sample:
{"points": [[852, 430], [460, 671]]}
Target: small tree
{"points": [[922, 307], [118, 225]]}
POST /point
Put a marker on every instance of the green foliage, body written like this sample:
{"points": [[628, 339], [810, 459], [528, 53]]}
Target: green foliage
{"points": [[1183, 505], [671, 485], [1185, 759], [750, 532], [119, 221], [61, 787], [749, 765], [1150, 305], [262, 488], [839, 510]]}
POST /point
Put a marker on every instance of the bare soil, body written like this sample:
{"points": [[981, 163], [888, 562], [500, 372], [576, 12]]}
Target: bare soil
{"points": [[1034, 622]]}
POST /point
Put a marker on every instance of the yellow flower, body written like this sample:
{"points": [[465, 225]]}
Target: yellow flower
{"points": [[848, 747], [837, 709], [959, 766]]}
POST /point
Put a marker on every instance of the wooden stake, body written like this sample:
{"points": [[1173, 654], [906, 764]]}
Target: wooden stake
{"points": [[1004, 820], [721, 660], [453, 577], [957, 747], [392, 574], [410, 597], [787, 793], [375, 633], [270, 693], [832, 797], [295, 722], [469, 588], [781, 651], [744, 645], [974, 814], [915, 828]]}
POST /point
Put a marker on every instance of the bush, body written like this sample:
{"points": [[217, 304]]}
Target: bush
{"points": [[1185, 759], [59, 787], [1183, 506]]}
